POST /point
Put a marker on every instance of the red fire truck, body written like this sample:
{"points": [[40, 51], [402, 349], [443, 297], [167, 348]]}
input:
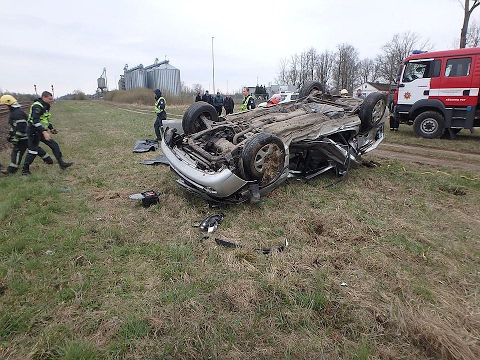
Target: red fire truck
{"points": [[437, 92]]}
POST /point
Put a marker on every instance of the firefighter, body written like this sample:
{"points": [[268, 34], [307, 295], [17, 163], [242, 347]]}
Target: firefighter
{"points": [[37, 130], [161, 114], [248, 101], [17, 134]]}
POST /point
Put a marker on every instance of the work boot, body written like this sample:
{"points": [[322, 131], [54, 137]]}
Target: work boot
{"points": [[64, 165], [48, 160], [26, 171], [11, 170]]}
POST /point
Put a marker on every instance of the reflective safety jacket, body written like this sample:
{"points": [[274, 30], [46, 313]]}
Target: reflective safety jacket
{"points": [[248, 103], [160, 108], [40, 116], [18, 124]]}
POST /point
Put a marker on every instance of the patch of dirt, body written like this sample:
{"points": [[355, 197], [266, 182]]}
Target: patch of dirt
{"points": [[429, 156]]}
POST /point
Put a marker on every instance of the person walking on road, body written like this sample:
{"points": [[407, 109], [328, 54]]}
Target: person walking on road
{"points": [[160, 104], [218, 103], [228, 104], [37, 130], [248, 101], [17, 134]]}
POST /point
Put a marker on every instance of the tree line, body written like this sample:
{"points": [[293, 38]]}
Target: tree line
{"points": [[343, 68]]}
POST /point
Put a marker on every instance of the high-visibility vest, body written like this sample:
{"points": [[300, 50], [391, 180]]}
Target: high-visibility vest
{"points": [[157, 110], [44, 118], [243, 107]]}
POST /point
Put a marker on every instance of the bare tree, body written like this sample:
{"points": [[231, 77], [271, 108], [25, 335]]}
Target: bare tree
{"points": [[292, 75], [467, 12], [473, 35], [345, 73], [282, 72], [324, 68], [197, 88], [368, 70], [395, 51]]}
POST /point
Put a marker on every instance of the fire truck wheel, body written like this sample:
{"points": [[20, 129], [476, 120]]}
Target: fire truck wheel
{"points": [[429, 125]]}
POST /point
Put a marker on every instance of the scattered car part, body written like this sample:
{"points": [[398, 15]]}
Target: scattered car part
{"points": [[145, 146], [149, 197], [264, 251], [227, 243], [161, 159], [210, 223]]}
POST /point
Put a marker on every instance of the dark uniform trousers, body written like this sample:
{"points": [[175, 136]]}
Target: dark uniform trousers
{"points": [[34, 149], [17, 154]]}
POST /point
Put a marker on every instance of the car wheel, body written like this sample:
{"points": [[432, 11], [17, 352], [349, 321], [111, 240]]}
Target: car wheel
{"points": [[372, 110], [194, 118], [429, 124], [309, 87], [263, 158]]}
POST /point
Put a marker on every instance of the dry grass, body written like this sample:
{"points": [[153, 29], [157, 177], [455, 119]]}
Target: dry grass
{"points": [[131, 282]]}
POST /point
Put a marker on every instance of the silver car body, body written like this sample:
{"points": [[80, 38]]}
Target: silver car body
{"points": [[212, 161]]}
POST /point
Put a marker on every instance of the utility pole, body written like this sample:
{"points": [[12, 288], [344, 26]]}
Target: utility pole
{"points": [[213, 69], [35, 87]]}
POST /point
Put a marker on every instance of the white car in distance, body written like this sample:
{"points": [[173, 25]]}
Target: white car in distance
{"points": [[287, 96]]}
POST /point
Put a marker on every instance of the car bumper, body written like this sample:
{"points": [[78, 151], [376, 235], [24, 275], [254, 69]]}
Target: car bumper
{"points": [[221, 184]]}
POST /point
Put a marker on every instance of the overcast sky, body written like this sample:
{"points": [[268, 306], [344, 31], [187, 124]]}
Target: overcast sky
{"points": [[67, 44]]}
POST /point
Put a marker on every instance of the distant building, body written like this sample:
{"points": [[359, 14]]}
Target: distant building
{"points": [[160, 75], [369, 87]]}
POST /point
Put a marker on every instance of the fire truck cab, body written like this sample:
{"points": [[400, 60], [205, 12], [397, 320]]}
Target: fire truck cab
{"points": [[437, 92]]}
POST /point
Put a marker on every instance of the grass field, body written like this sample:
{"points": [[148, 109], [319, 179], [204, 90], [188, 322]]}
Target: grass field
{"points": [[384, 265]]}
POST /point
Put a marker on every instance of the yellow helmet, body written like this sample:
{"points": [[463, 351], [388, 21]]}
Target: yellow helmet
{"points": [[7, 100]]}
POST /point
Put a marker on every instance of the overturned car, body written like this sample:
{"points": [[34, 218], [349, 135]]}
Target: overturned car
{"points": [[243, 156]]}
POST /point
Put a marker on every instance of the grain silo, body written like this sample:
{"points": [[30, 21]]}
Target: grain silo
{"points": [[134, 77], [160, 75], [163, 76]]}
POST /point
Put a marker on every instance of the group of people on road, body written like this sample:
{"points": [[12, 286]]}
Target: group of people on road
{"points": [[219, 102], [27, 131]]}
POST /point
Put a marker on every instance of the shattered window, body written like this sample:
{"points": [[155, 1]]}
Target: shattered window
{"points": [[418, 70]]}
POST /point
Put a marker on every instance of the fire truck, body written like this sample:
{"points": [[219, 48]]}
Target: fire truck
{"points": [[437, 92]]}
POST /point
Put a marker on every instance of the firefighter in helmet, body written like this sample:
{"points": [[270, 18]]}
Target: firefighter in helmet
{"points": [[17, 134]]}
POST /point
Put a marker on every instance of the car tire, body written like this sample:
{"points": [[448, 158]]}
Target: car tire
{"points": [[372, 110], [192, 122], [429, 125], [263, 158], [309, 87]]}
